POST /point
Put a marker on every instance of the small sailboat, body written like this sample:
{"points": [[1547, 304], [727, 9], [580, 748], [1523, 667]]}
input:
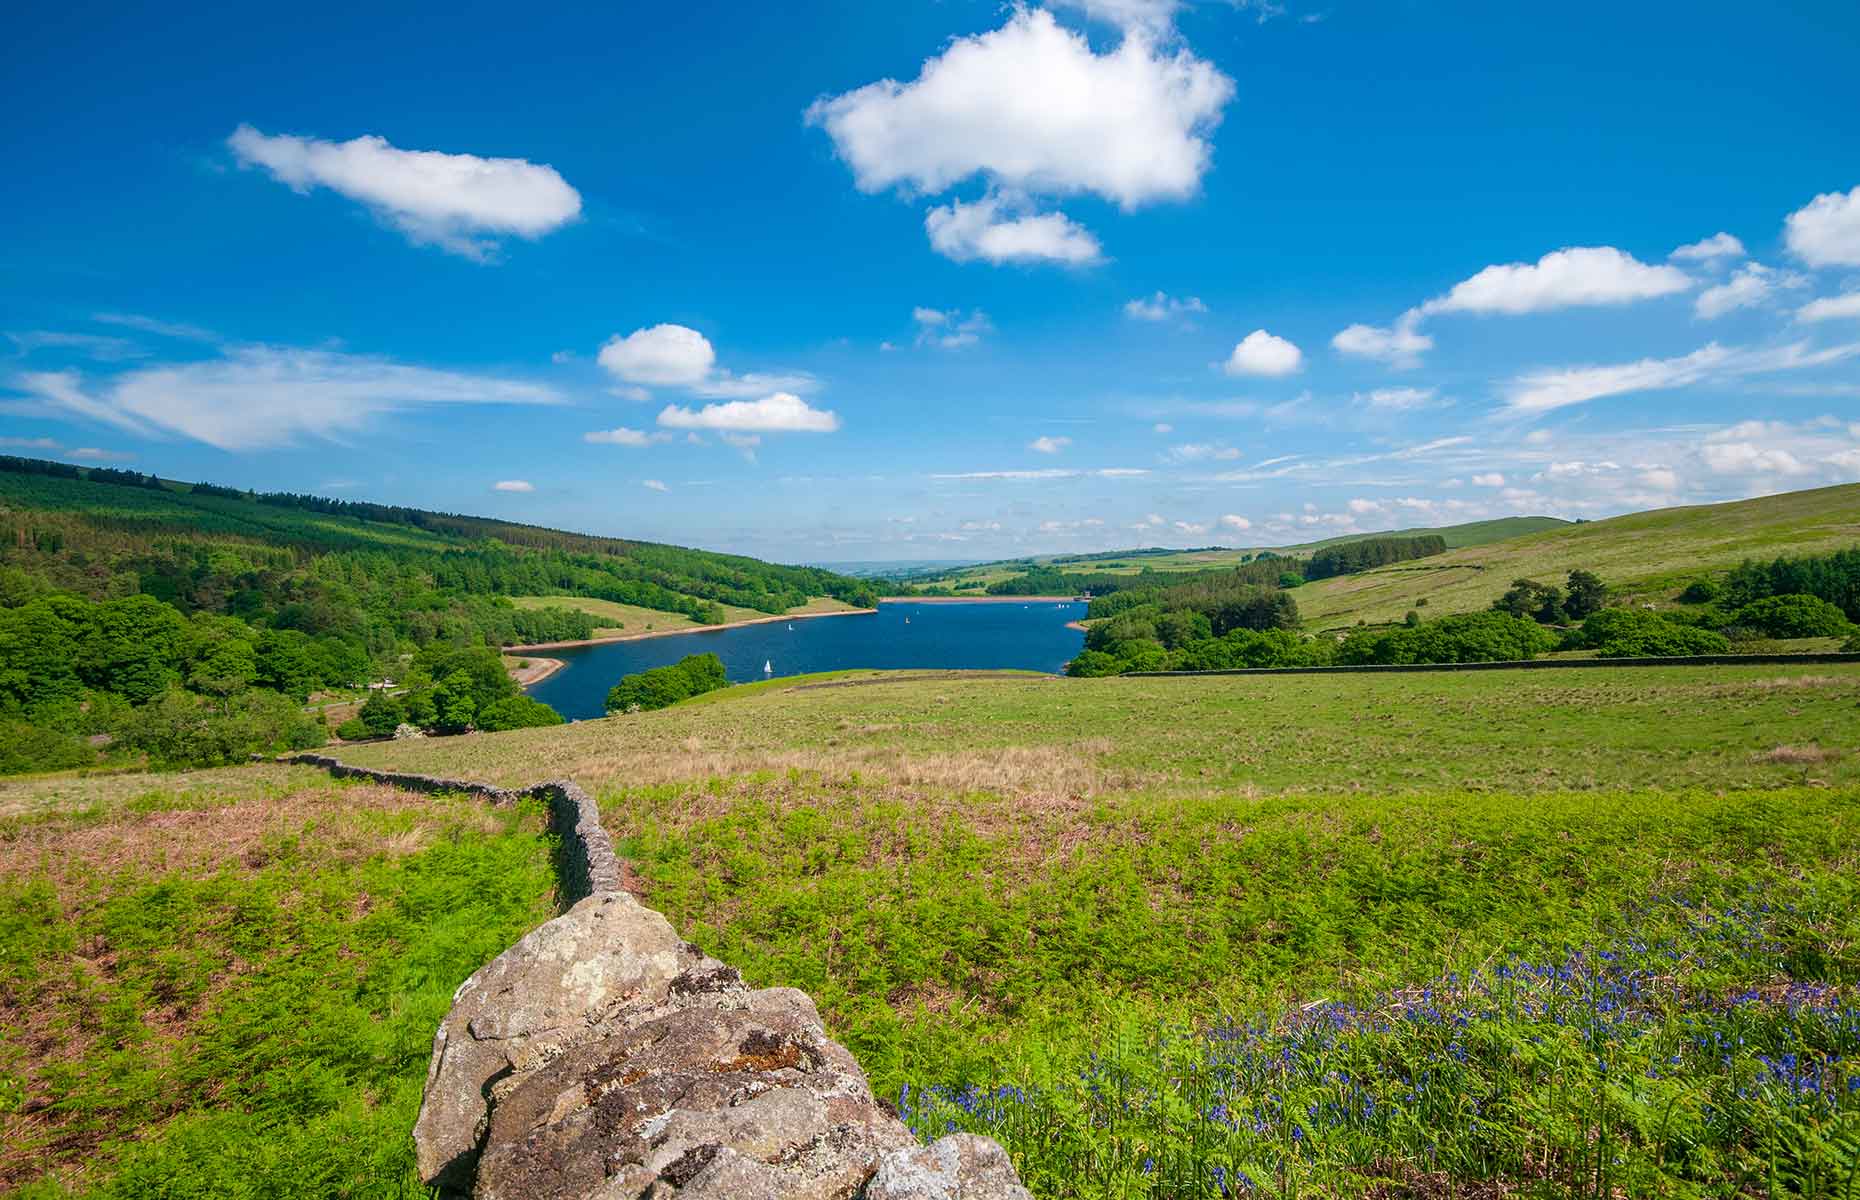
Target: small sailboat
{"points": [[791, 627], [768, 667]]}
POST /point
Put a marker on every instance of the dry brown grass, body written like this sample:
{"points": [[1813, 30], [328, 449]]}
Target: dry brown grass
{"points": [[1797, 755], [210, 834]]}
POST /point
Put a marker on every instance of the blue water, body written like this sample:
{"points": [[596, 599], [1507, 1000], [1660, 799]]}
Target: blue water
{"points": [[1012, 636]]}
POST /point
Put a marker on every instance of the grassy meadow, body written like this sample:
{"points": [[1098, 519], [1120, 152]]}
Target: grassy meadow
{"points": [[226, 983], [1584, 933]]}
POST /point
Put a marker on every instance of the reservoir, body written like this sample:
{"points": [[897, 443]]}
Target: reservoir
{"points": [[989, 635]]}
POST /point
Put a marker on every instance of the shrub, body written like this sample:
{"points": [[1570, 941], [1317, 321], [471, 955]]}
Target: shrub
{"points": [[1469, 637], [1701, 591], [179, 730], [353, 730], [662, 687], [1251, 648], [517, 712], [1541, 602], [1091, 664], [382, 714], [1795, 616], [1636, 633], [26, 747]]}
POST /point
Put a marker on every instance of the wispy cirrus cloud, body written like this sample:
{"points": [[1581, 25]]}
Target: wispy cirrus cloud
{"points": [[260, 397], [1548, 390]]}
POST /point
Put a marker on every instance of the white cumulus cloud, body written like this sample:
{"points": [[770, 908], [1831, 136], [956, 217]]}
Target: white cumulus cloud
{"points": [[458, 202], [660, 356], [513, 485], [1030, 106], [1830, 308], [1491, 479], [1826, 231], [1235, 523], [1400, 345], [1711, 249], [1578, 276], [1262, 353], [999, 229], [1049, 445], [782, 412], [656, 485]]}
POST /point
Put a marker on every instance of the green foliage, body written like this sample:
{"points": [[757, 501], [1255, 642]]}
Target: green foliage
{"points": [[112, 582], [182, 730], [662, 687], [26, 747], [1832, 577], [1792, 616], [1254, 648], [1637, 633], [517, 712], [1587, 594], [949, 943], [1540, 602], [1467, 637], [261, 1031], [1701, 591], [1364, 554], [381, 714]]}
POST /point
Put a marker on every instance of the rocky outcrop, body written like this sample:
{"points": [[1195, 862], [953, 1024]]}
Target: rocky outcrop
{"points": [[961, 1166], [603, 1057]]}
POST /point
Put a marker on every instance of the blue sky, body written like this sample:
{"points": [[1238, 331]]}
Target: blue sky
{"points": [[853, 281]]}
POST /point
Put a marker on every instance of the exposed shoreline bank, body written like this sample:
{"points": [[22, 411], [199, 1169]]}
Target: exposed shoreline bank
{"points": [[978, 599], [538, 670], [659, 633]]}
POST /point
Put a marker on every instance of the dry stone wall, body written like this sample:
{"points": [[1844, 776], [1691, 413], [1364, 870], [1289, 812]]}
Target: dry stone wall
{"points": [[603, 1057]]}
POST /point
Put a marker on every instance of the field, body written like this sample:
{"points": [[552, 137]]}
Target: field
{"points": [[226, 983], [624, 619], [1159, 935]]}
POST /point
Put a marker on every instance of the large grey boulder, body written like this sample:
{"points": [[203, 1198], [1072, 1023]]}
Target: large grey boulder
{"points": [[602, 1058], [560, 986], [961, 1166]]}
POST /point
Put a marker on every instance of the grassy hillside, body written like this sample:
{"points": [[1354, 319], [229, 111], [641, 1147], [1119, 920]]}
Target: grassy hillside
{"points": [[1290, 928], [1654, 552], [189, 624], [1119, 562]]}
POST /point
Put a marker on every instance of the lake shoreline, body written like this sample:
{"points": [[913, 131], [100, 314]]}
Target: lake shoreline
{"points": [[659, 633], [977, 599], [538, 670]]}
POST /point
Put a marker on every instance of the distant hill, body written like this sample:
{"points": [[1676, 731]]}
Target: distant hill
{"points": [[1654, 553], [1158, 558]]}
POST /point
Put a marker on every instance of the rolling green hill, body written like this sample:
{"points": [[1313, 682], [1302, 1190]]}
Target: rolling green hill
{"points": [[1653, 552], [190, 624], [1122, 562]]}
